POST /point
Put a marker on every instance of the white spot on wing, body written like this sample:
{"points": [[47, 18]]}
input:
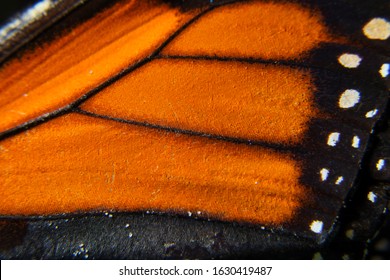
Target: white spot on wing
{"points": [[339, 180], [355, 142], [333, 138], [380, 164], [385, 69], [349, 98], [316, 226], [350, 60], [377, 28], [371, 197], [324, 174], [371, 113]]}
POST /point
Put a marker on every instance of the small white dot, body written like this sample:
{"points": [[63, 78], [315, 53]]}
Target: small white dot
{"points": [[130, 235], [371, 113], [371, 197], [324, 174], [127, 225], [380, 164], [377, 28], [350, 60], [189, 214], [385, 69], [316, 226], [339, 180], [355, 142], [349, 98], [333, 138]]}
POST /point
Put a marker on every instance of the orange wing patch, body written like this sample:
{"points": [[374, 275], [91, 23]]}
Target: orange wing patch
{"points": [[252, 30], [58, 74], [78, 163], [228, 99]]}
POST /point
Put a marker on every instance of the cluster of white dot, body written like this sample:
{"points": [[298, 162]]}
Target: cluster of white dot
{"points": [[324, 172], [81, 251], [378, 29], [334, 138], [350, 97]]}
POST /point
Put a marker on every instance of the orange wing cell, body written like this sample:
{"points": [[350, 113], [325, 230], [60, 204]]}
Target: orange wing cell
{"points": [[77, 163], [230, 99], [253, 29]]}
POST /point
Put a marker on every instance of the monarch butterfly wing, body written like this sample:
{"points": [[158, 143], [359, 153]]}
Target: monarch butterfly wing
{"points": [[299, 190]]}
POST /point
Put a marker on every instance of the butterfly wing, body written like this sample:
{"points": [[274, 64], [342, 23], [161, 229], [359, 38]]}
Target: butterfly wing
{"points": [[266, 127]]}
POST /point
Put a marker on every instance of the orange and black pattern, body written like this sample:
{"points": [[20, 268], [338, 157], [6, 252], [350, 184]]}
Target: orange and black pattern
{"points": [[257, 113]]}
